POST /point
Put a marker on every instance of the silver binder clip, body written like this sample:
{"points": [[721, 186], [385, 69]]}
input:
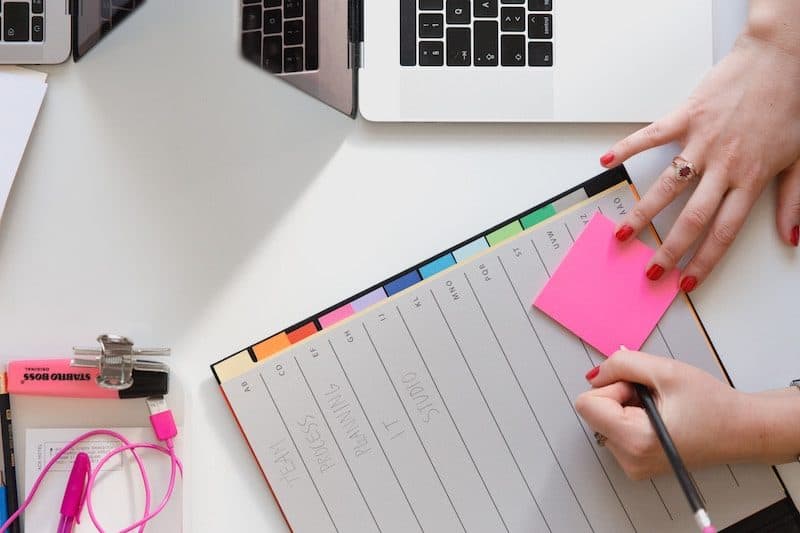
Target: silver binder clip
{"points": [[117, 359]]}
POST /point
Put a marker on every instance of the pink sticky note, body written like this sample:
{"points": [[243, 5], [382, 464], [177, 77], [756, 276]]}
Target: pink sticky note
{"points": [[600, 292]]}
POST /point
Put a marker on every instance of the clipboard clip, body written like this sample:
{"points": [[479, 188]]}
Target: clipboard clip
{"points": [[116, 358]]}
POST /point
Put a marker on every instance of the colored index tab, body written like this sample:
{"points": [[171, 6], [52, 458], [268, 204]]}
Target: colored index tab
{"points": [[600, 293], [298, 334], [403, 282], [506, 232], [337, 315], [271, 346], [537, 216], [371, 298], [470, 249], [437, 265]]}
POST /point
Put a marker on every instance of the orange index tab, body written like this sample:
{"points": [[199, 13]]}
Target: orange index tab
{"points": [[271, 346]]}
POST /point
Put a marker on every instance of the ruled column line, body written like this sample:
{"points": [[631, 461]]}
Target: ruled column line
{"points": [[335, 440], [413, 426], [300, 455]]}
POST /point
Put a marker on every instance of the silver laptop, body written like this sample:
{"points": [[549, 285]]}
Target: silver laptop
{"points": [[485, 60], [48, 31]]}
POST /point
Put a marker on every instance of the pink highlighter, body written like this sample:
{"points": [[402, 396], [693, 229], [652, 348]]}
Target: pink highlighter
{"points": [[59, 377]]}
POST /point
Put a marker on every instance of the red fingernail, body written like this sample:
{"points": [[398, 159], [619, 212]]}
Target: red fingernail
{"points": [[607, 158], [654, 272], [591, 374], [688, 283], [796, 235], [624, 232]]}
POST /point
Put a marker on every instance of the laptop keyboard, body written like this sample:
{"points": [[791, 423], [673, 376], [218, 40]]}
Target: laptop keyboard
{"points": [[22, 21], [282, 36], [480, 33]]}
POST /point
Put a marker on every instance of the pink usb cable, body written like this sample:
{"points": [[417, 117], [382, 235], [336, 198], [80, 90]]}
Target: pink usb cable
{"points": [[165, 429]]}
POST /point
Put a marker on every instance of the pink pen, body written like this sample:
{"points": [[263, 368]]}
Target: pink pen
{"points": [[72, 504]]}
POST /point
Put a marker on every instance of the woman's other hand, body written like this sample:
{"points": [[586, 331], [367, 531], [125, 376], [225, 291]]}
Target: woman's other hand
{"points": [[740, 128]]}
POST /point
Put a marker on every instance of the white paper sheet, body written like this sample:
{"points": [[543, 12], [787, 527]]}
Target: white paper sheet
{"points": [[118, 497], [21, 95]]}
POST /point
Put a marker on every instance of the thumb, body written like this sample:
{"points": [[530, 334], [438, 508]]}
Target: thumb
{"points": [[603, 410], [787, 215], [633, 367]]}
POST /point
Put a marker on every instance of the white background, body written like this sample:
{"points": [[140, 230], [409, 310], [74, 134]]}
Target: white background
{"points": [[175, 194]]}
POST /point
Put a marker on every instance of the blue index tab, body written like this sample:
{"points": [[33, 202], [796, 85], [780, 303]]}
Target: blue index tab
{"points": [[403, 282], [470, 249], [437, 265], [3, 505]]}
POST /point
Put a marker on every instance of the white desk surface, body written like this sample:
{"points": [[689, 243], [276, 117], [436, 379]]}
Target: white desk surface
{"points": [[173, 193]]}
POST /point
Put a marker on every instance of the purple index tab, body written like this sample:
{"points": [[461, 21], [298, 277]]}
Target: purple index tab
{"points": [[368, 299]]}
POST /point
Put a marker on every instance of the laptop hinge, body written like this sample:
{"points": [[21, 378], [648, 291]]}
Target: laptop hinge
{"points": [[355, 32]]}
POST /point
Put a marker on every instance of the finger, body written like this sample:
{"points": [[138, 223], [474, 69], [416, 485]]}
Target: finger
{"points": [[603, 414], [657, 197], [726, 225], [621, 392], [631, 367], [788, 212], [662, 131], [696, 215]]}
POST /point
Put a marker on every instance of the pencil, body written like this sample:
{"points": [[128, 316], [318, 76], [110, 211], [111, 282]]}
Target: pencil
{"points": [[689, 490], [9, 461]]}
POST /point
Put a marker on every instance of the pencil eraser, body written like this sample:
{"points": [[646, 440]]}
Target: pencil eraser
{"points": [[709, 529]]}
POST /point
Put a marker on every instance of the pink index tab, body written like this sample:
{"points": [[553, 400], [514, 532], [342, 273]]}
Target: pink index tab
{"points": [[600, 291], [337, 315]]}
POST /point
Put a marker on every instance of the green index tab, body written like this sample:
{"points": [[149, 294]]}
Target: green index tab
{"points": [[506, 232], [537, 216]]}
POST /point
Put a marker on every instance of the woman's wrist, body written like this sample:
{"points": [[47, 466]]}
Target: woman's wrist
{"points": [[769, 427], [776, 22]]}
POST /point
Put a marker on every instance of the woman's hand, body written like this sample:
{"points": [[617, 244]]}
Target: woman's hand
{"points": [[740, 128], [709, 421]]}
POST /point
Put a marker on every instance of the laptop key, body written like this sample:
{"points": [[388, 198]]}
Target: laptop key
{"points": [[459, 47], [540, 26], [272, 3], [312, 34], [293, 32], [512, 50], [540, 5], [512, 19], [430, 5], [251, 46], [458, 12], [16, 21], [273, 54], [37, 7], [272, 21], [431, 53], [513, 1], [37, 29], [251, 18], [408, 33], [540, 54], [292, 9], [293, 59], [431, 26], [485, 8], [486, 43]]}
